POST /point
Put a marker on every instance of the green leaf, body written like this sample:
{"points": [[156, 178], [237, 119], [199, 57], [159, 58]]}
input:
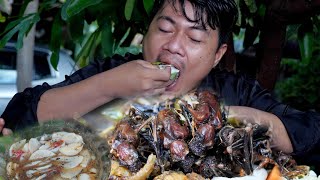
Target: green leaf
{"points": [[148, 4], [22, 33], [251, 4], [306, 41], [131, 49], [108, 41], [55, 40], [262, 10], [64, 7], [129, 9], [73, 7], [84, 53], [76, 25], [124, 37], [101, 11], [54, 59], [23, 25], [250, 21], [25, 29], [8, 36], [14, 24], [2, 18], [46, 5], [23, 7], [238, 23]]}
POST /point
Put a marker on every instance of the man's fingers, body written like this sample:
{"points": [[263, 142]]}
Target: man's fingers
{"points": [[1, 124], [159, 74], [162, 84], [155, 92], [6, 131]]}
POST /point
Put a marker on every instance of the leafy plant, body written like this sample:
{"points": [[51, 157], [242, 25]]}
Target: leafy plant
{"points": [[6, 8], [114, 24], [301, 88], [251, 14]]}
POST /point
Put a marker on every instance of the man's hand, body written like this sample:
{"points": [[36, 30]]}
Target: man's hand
{"points": [[279, 137], [4, 131], [138, 78]]}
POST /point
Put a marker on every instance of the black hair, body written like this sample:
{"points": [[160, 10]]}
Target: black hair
{"points": [[218, 14]]}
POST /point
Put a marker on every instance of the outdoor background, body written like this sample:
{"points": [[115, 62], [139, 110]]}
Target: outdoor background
{"points": [[275, 41]]}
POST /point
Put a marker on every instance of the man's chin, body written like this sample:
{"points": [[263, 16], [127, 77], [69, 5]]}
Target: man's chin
{"points": [[174, 89]]}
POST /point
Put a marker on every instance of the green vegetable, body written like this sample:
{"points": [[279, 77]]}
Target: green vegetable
{"points": [[174, 71]]}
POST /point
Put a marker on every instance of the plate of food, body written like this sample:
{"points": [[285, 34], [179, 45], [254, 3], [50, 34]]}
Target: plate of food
{"points": [[189, 137], [55, 150], [192, 138]]}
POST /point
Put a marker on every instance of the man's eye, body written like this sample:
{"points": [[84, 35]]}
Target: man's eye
{"points": [[195, 40], [163, 30]]}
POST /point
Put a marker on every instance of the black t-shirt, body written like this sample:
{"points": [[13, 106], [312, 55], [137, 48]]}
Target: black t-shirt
{"points": [[234, 89]]}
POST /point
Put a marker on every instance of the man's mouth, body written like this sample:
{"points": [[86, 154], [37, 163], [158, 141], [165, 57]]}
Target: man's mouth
{"points": [[174, 73]]}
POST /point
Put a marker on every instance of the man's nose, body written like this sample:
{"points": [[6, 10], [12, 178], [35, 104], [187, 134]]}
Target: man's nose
{"points": [[175, 44]]}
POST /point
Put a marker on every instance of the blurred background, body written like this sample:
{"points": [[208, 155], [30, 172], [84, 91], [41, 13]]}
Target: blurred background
{"points": [[275, 41]]}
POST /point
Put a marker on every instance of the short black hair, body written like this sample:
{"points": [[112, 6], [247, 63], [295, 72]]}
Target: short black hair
{"points": [[221, 14]]}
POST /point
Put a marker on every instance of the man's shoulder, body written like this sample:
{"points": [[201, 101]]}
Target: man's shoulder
{"points": [[228, 81], [233, 87], [235, 74], [225, 75]]}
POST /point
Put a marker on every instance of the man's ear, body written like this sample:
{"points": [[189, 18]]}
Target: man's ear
{"points": [[220, 52]]}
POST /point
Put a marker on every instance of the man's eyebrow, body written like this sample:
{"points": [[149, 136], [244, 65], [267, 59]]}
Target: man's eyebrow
{"points": [[195, 27], [200, 28], [167, 18]]}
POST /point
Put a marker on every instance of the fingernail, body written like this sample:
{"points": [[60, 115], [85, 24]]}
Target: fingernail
{"points": [[1, 121]]}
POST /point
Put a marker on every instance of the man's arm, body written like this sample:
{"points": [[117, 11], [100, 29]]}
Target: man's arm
{"points": [[84, 90], [127, 80], [279, 136], [300, 127]]}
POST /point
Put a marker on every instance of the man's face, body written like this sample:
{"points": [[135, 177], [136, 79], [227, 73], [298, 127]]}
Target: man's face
{"points": [[186, 45]]}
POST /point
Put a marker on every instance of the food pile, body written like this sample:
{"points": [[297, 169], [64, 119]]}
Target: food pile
{"points": [[61, 155], [192, 138]]}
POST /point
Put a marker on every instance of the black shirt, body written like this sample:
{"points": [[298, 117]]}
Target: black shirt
{"points": [[303, 128]]}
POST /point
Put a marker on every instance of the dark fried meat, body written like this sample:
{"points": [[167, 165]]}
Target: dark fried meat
{"points": [[125, 132], [188, 163], [200, 113], [208, 132], [128, 156], [196, 145], [208, 166], [178, 150]]}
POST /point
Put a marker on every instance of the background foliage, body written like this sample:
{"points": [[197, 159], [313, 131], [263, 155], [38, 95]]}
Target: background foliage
{"points": [[94, 28], [300, 85], [89, 28]]}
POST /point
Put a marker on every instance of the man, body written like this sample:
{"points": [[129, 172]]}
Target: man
{"points": [[191, 36]]}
